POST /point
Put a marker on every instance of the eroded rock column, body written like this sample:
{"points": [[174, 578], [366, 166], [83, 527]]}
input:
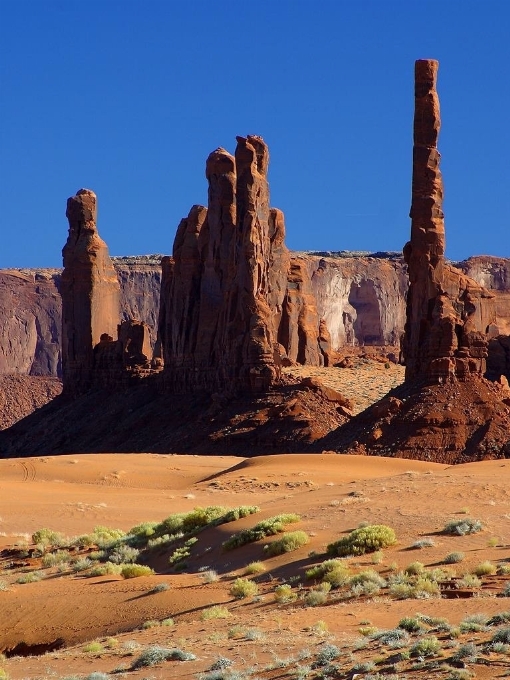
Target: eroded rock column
{"points": [[90, 293]]}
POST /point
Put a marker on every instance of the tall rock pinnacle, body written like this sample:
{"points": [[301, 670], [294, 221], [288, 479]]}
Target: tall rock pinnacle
{"points": [[90, 293], [448, 314]]}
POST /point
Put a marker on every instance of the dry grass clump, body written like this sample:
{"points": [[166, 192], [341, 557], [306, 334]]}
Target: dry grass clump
{"points": [[462, 527], [284, 594], [156, 654], [254, 568], [243, 587], [215, 612], [135, 570], [363, 540]]}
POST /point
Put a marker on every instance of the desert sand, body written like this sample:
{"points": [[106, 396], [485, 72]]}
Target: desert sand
{"points": [[59, 616]]}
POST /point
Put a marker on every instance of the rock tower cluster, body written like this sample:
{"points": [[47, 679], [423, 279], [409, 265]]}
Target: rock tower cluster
{"points": [[448, 314], [234, 305]]}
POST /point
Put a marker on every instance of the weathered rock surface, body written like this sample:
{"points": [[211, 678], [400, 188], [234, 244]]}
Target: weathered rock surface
{"points": [[232, 286], [90, 293], [448, 314]]}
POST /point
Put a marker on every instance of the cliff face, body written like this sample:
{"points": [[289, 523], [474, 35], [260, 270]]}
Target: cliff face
{"points": [[361, 299]]}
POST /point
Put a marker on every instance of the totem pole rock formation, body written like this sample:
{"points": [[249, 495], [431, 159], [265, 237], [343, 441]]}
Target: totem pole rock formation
{"points": [[90, 293], [225, 293], [448, 314]]}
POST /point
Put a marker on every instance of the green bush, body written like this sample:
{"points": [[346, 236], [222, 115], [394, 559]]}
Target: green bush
{"points": [[215, 612], [284, 594], [454, 558], [268, 527], [30, 577], [254, 568], [314, 598], [426, 647], [289, 542], [47, 537], [243, 587], [486, 568], [363, 540], [135, 570]]}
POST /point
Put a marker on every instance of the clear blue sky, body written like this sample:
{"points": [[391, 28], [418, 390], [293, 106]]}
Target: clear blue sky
{"points": [[128, 97]]}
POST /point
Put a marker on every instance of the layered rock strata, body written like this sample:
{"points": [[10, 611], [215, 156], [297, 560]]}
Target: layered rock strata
{"points": [[448, 314]]}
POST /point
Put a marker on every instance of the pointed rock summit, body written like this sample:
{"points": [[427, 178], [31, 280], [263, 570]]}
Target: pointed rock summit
{"points": [[448, 314]]}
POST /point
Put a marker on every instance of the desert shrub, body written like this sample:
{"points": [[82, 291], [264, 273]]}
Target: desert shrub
{"points": [[55, 558], [363, 540], [284, 594], [48, 537], [215, 612], [502, 635], [254, 568], [135, 570], [156, 654], [506, 591], [499, 618], [315, 598], [466, 652], [253, 634], [221, 663], [30, 577], [267, 527], [423, 543], [411, 623], [486, 568], [454, 558], [243, 587], [108, 568], [210, 576], [461, 527], [82, 564], [160, 588], [97, 675], [320, 570], [429, 646], [394, 638], [105, 537], [123, 554], [3, 586], [327, 653], [469, 581], [93, 648], [414, 569], [289, 542], [151, 623], [182, 553]]}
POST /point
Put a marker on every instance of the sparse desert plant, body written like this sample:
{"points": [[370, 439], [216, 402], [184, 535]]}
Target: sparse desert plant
{"points": [[52, 559], [320, 570], [167, 622], [462, 527], [315, 598], [106, 569], [363, 540], [210, 576], [499, 619], [503, 569], [160, 588], [377, 557], [469, 581], [267, 527], [506, 591], [466, 652], [429, 646], [423, 543], [243, 587], [30, 577], [454, 558], [82, 564], [284, 594], [123, 554], [290, 541], [135, 570], [182, 553], [3, 585], [327, 653], [253, 634], [215, 612], [97, 675], [414, 569], [486, 568], [320, 627], [93, 648], [156, 654], [48, 538], [411, 623], [254, 568], [221, 663], [492, 542], [394, 638], [460, 674], [151, 623], [502, 635]]}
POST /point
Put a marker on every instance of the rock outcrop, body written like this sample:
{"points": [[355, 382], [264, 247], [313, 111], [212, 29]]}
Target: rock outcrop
{"points": [[448, 314], [232, 295], [90, 293]]}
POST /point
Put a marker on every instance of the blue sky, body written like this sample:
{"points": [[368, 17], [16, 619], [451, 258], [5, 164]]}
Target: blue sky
{"points": [[128, 97]]}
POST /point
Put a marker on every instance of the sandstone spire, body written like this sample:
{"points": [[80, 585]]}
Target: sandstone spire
{"points": [[448, 314], [90, 293]]}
